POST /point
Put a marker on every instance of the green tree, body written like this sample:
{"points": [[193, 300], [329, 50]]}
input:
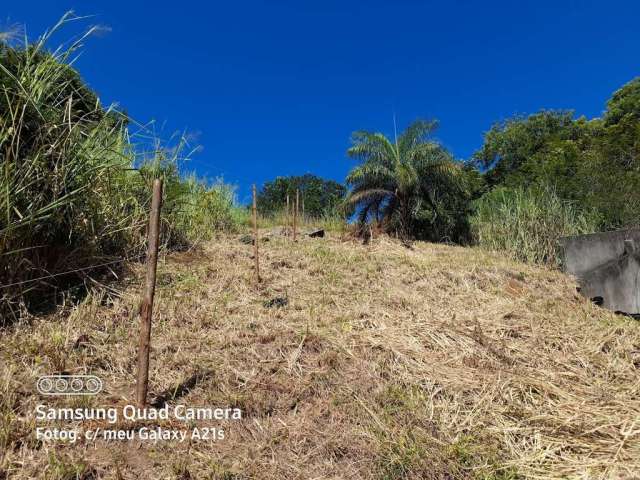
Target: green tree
{"points": [[406, 184], [612, 176], [624, 104], [320, 196], [595, 163], [513, 150]]}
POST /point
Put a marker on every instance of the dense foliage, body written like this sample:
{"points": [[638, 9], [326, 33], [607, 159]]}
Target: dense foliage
{"points": [[537, 177], [592, 166], [320, 197], [595, 163], [411, 186], [526, 222], [70, 197]]}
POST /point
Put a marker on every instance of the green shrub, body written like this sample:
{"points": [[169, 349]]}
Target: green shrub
{"points": [[70, 195], [203, 209], [527, 223]]}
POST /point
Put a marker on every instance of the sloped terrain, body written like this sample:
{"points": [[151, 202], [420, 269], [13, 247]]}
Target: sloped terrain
{"points": [[348, 361]]}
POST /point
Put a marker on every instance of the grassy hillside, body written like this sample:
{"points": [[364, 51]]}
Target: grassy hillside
{"points": [[385, 363]]}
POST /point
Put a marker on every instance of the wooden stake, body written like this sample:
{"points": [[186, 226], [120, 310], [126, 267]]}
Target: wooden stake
{"points": [[146, 307], [255, 235], [295, 216], [286, 218]]}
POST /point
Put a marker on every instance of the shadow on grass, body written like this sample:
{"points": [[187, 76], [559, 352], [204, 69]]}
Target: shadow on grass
{"points": [[181, 389]]}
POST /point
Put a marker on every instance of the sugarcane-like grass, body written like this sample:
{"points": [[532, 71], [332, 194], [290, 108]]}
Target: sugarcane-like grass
{"points": [[75, 182]]}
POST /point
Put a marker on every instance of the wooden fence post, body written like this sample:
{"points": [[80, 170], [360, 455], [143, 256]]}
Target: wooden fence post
{"points": [[146, 308], [255, 235], [286, 218], [295, 216]]}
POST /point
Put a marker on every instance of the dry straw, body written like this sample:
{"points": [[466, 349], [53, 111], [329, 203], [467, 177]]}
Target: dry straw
{"points": [[386, 363]]}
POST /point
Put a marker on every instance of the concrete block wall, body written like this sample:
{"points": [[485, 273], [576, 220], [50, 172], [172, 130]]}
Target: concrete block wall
{"points": [[607, 267], [582, 253]]}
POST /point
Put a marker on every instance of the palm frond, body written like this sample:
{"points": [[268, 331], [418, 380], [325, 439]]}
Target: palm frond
{"points": [[402, 180], [370, 173], [369, 195], [370, 146], [416, 134]]}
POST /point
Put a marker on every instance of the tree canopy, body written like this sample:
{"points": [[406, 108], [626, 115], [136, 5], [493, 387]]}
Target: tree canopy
{"points": [[595, 163], [320, 196]]}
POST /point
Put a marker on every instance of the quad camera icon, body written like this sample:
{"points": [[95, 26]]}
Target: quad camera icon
{"points": [[69, 385]]}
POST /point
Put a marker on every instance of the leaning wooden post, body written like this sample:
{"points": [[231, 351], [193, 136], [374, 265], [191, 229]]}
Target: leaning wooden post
{"points": [[295, 216], [146, 308], [255, 235]]}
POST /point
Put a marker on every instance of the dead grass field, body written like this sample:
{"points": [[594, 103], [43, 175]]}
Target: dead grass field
{"points": [[386, 363]]}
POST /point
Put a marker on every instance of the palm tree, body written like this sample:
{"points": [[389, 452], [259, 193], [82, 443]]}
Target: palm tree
{"points": [[397, 183]]}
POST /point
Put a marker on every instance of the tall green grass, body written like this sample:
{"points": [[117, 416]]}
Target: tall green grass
{"points": [[527, 223], [74, 186]]}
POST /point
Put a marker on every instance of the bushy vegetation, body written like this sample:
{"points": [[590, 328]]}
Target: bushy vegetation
{"points": [[542, 176], [527, 222], [592, 167], [320, 197], [194, 209], [411, 185], [595, 163], [74, 187]]}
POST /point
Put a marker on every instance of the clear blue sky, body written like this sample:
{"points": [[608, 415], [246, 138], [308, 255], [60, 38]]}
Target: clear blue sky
{"points": [[276, 87]]}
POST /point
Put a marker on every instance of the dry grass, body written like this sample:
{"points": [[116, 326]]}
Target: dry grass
{"points": [[387, 363]]}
